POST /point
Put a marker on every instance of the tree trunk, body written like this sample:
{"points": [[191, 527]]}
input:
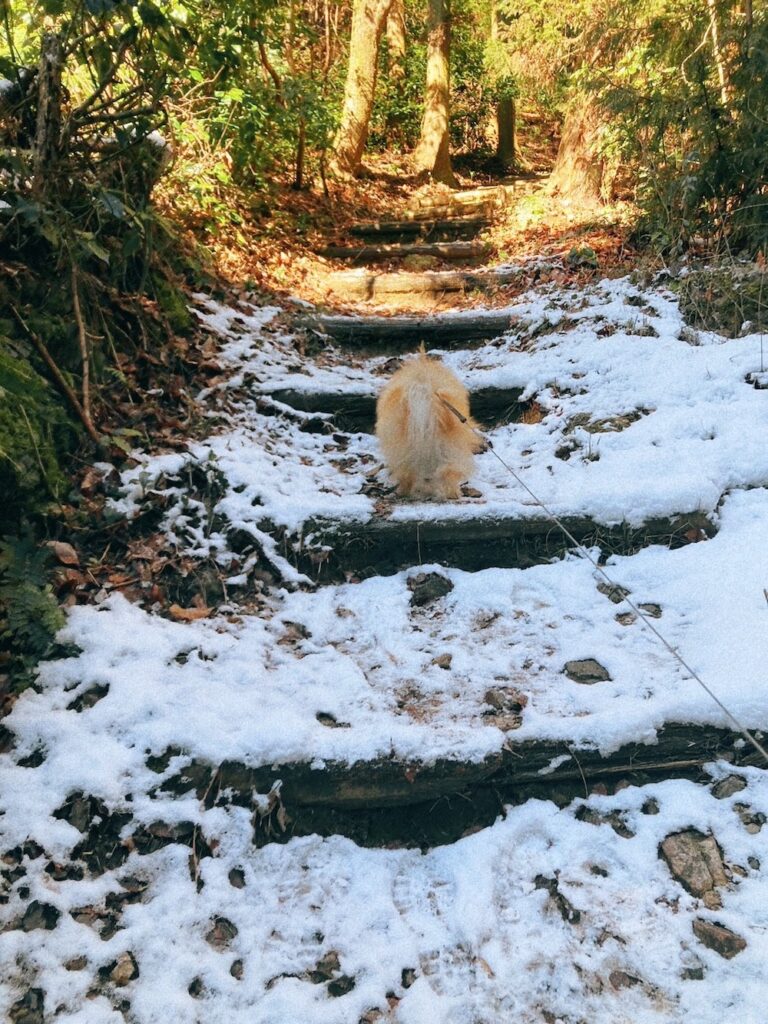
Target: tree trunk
{"points": [[432, 153], [505, 120], [47, 146], [579, 171], [368, 20], [396, 42]]}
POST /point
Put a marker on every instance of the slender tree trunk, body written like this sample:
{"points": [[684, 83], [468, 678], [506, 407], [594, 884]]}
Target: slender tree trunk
{"points": [[368, 20], [396, 43], [506, 149], [717, 52], [432, 154], [47, 146]]}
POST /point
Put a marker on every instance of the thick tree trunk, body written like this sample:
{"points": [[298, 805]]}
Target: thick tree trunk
{"points": [[47, 144], [432, 153], [368, 20], [579, 171], [505, 121]]}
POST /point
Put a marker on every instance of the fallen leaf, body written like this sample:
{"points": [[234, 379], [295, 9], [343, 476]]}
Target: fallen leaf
{"points": [[188, 614], [64, 552]]}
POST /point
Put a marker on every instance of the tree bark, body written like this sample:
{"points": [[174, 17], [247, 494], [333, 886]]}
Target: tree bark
{"points": [[505, 121], [368, 20], [47, 146], [579, 171], [396, 42], [432, 154]]}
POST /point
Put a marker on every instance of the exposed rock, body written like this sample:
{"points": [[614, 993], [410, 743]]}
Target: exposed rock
{"points": [[236, 970], [408, 976], [221, 933], [330, 721], [237, 878], [125, 969], [587, 671], [341, 986], [40, 915], [427, 587], [613, 591], [568, 912], [620, 979], [89, 697], [30, 1009], [443, 660], [653, 611], [614, 819], [651, 806], [719, 938], [694, 860], [77, 963], [728, 786], [752, 820], [325, 968]]}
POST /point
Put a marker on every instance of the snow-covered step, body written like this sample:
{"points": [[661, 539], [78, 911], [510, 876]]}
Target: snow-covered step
{"points": [[395, 333]]}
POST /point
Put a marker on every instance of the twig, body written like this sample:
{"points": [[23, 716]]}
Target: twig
{"points": [[84, 353], [58, 376]]}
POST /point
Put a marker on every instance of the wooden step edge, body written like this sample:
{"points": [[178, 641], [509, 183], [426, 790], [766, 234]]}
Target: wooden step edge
{"points": [[378, 253], [417, 227], [391, 782], [405, 331], [330, 551], [347, 284]]}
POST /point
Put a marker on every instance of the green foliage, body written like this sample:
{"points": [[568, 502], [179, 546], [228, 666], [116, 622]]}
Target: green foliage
{"points": [[35, 435], [29, 614]]}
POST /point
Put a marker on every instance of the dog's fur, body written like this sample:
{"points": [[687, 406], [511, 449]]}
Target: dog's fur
{"points": [[427, 449]]}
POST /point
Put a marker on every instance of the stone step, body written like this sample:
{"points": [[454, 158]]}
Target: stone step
{"points": [[416, 804], [431, 230], [470, 539], [345, 284], [464, 252], [356, 412], [396, 333]]}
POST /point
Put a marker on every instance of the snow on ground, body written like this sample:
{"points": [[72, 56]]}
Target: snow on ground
{"points": [[551, 915], [592, 367]]}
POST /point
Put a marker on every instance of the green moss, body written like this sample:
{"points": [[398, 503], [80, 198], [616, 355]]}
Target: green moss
{"points": [[35, 434], [173, 303]]}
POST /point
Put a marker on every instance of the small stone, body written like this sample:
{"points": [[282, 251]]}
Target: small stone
{"points": [[124, 970], [195, 988], [754, 863], [40, 915], [236, 970], [620, 979], [237, 878], [626, 618], [77, 963], [341, 986], [443, 660], [728, 786], [427, 587], [89, 698], [30, 1009], [719, 938], [712, 900], [325, 968], [694, 860], [613, 591], [408, 976], [651, 806], [330, 721], [653, 611], [752, 821], [505, 699], [221, 934], [587, 671], [693, 974]]}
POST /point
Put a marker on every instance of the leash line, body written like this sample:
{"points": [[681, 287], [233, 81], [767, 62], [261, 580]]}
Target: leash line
{"points": [[640, 614]]}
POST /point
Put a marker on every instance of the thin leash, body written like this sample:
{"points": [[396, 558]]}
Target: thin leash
{"points": [[615, 586]]}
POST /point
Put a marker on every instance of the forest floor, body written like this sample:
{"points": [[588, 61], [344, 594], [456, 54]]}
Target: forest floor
{"points": [[316, 753]]}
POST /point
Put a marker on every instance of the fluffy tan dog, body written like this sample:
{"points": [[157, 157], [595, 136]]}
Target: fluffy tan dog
{"points": [[427, 448]]}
